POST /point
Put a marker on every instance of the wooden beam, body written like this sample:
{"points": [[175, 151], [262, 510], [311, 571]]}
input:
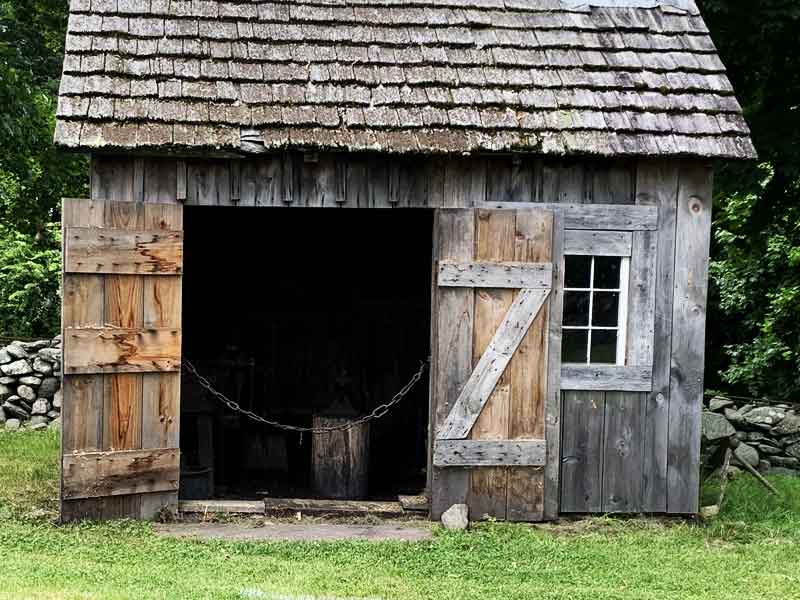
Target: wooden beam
{"points": [[118, 350], [346, 507], [597, 243], [514, 275], [610, 378], [118, 251], [228, 507], [489, 453], [692, 239], [96, 474], [492, 363], [617, 217]]}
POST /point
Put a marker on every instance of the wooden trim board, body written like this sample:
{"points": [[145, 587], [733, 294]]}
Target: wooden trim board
{"points": [[97, 474], [597, 243], [611, 378], [120, 350], [489, 453], [120, 251], [616, 217], [513, 275]]}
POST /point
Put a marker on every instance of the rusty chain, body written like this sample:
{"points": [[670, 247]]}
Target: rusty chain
{"points": [[376, 413]]}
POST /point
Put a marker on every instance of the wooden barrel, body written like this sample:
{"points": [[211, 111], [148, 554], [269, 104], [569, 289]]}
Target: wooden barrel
{"points": [[340, 460]]}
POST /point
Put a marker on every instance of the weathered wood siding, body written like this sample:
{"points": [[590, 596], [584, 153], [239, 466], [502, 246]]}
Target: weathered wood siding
{"points": [[621, 451]]}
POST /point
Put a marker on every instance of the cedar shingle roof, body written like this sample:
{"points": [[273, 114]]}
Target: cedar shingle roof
{"points": [[454, 76]]}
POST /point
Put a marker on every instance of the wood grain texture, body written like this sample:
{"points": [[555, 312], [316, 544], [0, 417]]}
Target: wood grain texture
{"points": [[642, 299], [597, 216], [622, 452], [122, 411], [489, 453], [607, 378], [597, 243], [552, 403], [118, 350], [492, 364], [512, 275], [93, 250], [692, 240], [582, 451], [98, 474], [533, 242], [451, 347], [657, 184]]}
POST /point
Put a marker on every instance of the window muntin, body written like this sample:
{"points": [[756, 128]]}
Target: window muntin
{"points": [[595, 309]]}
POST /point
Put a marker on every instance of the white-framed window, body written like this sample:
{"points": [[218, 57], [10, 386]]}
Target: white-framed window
{"points": [[595, 309]]}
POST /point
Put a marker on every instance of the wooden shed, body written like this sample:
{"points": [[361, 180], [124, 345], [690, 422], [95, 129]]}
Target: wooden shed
{"points": [[526, 189]]}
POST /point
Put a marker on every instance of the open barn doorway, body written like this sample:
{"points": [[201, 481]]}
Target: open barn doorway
{"points": [[296, 314]]}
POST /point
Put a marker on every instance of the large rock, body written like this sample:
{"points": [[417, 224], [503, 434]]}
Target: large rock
{"points": [[764, 417], [788, 426], [456, 518], [716, 427], [49, 387], [13, 424], [734, 416], [793, 450], [39, 422], [12, 410], [2, 415], [52, 355], [53, 414], [5, 392], [769, 450], [6, 380], [17, 351], [18, 367], [5, 357], [34, 346], [42, 366], [788, 440], [718, 404], [745, 453], [788, 462], [58, 399], [31, 380], [40, 407], [26, 392]]}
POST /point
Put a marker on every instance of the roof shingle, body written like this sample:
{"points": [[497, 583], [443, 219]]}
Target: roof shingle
{"points": [[609, 77]]}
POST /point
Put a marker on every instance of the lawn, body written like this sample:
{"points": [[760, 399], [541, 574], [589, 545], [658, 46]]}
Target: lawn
{"points": [[749, 551]]}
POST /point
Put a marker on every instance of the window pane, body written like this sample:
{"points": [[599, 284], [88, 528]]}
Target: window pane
{"points": [[604, 346], [606, 272], [577, 271], [574, 345], [576, 308], [605, 309]]}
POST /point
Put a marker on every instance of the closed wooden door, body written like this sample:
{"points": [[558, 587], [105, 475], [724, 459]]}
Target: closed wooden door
{"points": [[122, 351], [495, 365]]}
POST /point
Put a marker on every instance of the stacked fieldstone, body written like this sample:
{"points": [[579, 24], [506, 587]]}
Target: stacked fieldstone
{"points": [[30, 384], [768, 435]]}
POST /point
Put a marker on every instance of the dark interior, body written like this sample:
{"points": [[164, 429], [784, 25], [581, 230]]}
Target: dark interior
{"points": [[292, 313]]}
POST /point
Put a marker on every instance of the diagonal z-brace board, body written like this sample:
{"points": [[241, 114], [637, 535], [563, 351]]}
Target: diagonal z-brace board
{"points": [[492, 364]]}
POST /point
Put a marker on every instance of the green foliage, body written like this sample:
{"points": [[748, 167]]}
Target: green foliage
{"points": [[29, 279], [754, 312], [34, 175]]}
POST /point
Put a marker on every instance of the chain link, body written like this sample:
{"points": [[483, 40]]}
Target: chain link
{"points": [[376, 413]]}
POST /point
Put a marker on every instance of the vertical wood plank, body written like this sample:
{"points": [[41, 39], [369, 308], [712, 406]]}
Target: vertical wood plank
{"points": [[692, 240], [235, 168], [290, 179], [379, 183], [180, 180], [161, 180], [527, 371], [357, 186], [552, 408], [641, 298], [622, 456], [582, 448], [657, 184], [452, 347], [611, 183], [571, 183], [465, 182], [494, 241]]}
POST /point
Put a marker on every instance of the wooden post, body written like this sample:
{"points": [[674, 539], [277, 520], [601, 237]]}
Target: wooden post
{"points": [[340, 460]]}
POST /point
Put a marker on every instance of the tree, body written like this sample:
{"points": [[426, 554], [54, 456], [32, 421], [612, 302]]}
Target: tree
{"points": [[755, 299], [34, 175]]}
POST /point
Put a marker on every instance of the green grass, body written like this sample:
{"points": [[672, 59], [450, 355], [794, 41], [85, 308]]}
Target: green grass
{"points": [[749, 551]]}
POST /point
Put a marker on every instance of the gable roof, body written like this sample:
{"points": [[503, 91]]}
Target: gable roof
{"points": [[603, 77]]}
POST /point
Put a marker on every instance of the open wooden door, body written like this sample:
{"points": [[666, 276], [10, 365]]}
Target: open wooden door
{"points": [[122, 349], [495, 363]]}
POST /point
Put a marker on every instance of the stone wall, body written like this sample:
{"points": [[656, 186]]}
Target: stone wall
{"points": [[769, 435], [30, 384]]}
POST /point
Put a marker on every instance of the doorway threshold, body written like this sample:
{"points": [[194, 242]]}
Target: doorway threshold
{"points": [[273, 506]]}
